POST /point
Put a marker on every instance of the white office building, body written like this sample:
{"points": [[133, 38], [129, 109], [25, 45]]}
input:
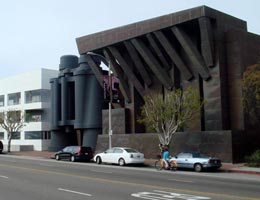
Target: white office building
{"points": [[29, 92]]}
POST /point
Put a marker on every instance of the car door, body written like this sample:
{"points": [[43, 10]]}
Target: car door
{"points": [[189, 161], [183, 160], [107, 156], [117, 154], [67, 152]]}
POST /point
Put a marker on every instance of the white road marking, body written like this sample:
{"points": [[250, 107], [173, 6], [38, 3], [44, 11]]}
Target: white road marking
{"points": [[98, 171], [178, 180], [162, 195], [13, 161], [46, 165], [75, 192], [3, 176]]}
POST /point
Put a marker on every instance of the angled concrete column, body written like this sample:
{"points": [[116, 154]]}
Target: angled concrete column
{"points": [[138, 63], [176, 59], [95, 69], [127, 70], [158, 51], [192, 52], [154, 65], [206, 37]]}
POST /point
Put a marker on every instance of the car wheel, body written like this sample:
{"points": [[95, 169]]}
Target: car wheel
{"points": [[98, 160], [198, 167], [57, 157], [72, 159], [121, 162]]}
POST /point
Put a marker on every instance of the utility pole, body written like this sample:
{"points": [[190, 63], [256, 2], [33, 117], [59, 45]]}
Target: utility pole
{"points": [[110, 131]]}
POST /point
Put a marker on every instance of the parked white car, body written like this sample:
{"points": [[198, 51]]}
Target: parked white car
{"points": [[120, 155]]}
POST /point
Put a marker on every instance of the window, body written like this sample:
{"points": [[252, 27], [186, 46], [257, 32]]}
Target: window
{"points": [[131, 151], [110, 150], [2, 100], [2, 135], [75, 149], [37, 135], [184, 155], [68, 149], [46, 135], [33, 115], [33, 135], [118, 151], [13, 115], [16, 136], [35, 96], [14, 99]]}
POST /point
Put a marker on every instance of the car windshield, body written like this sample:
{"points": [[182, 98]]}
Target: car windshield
{"points": [[131, 151]]}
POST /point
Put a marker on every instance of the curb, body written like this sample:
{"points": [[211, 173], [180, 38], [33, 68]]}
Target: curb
{"points": [[242, 171]]}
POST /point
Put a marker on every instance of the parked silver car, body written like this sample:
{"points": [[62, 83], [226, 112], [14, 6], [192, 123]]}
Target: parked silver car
{"points": [[196, 161]]}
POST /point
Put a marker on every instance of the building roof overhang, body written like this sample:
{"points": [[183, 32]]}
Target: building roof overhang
{"points": [[140, 51]]}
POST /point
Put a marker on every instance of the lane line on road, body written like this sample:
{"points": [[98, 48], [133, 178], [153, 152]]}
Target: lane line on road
{"points": [[98, 171], [178, 180], [3, 176], [46, 165], [74, 192], [134, 183]]}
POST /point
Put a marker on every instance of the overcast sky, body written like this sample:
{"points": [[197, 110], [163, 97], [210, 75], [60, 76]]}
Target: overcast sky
{"points": [[35, 33]]}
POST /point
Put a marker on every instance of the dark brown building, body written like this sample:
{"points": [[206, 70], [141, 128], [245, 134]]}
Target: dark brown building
{"points": [[200, 47]]}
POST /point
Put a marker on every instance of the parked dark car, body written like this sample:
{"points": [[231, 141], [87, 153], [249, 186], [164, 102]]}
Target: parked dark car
{"points": [[196, 161], [1, 146], [75, 153]]}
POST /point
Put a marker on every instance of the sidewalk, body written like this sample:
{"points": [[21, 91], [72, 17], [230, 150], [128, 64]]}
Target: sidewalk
{"points": [[226, 167]]}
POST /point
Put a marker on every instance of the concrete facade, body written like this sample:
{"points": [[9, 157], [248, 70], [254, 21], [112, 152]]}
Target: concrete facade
{"points": [[29, 92]]}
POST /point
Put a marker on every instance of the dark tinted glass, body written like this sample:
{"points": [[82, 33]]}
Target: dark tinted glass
{"points": [[86, 149]]}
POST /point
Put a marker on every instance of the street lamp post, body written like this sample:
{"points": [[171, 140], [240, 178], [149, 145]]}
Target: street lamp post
{"points": [[110, 131]]}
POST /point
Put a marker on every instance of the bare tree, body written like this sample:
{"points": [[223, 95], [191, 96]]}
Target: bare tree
{"points": [[12, 121], [166, 113]]}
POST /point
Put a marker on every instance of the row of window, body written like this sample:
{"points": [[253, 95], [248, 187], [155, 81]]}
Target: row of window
{"points": [[31, 116], [33, 96], [29, 135]]}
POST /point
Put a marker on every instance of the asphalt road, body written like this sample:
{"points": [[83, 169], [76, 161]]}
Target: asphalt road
{"points": [[35, 179]]}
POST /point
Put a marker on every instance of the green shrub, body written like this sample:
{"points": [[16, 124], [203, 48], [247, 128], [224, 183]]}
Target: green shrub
{"points": [[254, 159]]}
